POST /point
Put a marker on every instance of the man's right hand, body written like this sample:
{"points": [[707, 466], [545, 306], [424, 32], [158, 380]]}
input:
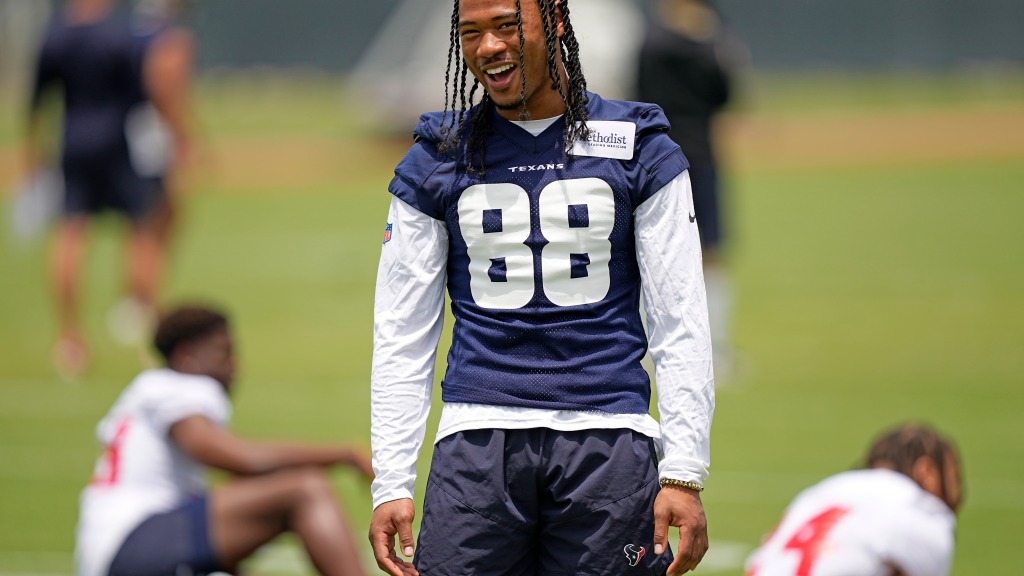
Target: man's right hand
{"points": [[391, 519]]}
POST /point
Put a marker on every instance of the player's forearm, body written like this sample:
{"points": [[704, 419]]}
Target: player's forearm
{"points": [[401, 383], [264, 457], [681, 350], [685, 430], [401, 379], [223, 450], [168, 74], [398, 428]]}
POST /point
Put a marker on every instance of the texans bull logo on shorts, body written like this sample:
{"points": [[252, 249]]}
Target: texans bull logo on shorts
{"points": [[634, 554]]}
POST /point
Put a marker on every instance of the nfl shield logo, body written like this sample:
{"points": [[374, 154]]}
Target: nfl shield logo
{"points": [[387, 233]]}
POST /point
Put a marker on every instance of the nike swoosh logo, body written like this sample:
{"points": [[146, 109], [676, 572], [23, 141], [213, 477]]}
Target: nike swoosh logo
{"points": [[693, 218]]}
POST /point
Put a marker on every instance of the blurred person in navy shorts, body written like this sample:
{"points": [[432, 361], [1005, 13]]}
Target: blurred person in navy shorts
{"points": [[92, 60]]}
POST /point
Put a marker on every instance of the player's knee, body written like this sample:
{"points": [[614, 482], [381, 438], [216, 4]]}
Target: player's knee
{"points": [[311, 483]]}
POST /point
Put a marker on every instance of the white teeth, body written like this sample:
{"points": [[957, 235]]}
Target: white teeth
{"points": [[500, 69]]}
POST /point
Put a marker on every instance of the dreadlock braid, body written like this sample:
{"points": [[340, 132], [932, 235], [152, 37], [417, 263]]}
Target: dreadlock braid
{"points": [[524, 114], [550, 23], [574, 94], [481, 122], [577, 97], [449, 93]]}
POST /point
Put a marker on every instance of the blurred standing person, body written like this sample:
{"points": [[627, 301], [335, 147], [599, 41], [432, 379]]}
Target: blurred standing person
{"points": [[687, 66], [160, 130], [896, 517], [148, 511], [90, 57], [546, 210]]}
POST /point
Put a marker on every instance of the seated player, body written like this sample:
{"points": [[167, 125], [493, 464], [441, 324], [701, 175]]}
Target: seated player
{"points": [[147, 510], [896, 517]]}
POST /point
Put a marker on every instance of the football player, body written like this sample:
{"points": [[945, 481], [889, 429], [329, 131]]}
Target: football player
{"points": [[687, 65], [546, 210], [160, 134], [895, 517], [89, 55], [147, 510]]}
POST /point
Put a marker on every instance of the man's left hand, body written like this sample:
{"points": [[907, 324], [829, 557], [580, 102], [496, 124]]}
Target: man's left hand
{"points": [[681, 507]]}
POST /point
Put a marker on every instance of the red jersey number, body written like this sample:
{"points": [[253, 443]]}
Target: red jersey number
{"points": [[109, 465], [810, 538]]}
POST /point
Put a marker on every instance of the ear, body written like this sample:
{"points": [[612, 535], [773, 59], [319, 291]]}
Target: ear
{"points": [[558, 18], [926, 473]]}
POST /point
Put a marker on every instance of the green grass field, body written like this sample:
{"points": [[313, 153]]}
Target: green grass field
{"points": [[869, 291]]}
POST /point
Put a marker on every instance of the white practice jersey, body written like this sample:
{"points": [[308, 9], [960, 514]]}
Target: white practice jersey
{"points": [[860, 523], [141, 472]]}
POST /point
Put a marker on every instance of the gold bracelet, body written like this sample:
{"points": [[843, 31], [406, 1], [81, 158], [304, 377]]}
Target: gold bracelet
{"points": [[681, 484]]}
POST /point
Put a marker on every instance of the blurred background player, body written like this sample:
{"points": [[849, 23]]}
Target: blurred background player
{"points": [[159, 130], [147, 510], [896, 517], [90, 57], [687, 64]]}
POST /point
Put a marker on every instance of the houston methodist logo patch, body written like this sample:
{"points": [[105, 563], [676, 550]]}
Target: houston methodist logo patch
{"points": [[608, 139], [387, 233], [634, 554]]}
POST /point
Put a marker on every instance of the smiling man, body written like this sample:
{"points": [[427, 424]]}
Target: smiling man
{"points": [[546, 211]]}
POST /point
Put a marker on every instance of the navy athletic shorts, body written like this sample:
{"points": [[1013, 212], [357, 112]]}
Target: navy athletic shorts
{"points": [[172, 543], [109, 183], [541, 502]]}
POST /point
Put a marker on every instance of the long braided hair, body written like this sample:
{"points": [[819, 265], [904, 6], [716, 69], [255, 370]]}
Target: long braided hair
{"points": [[460, 105], [901, 447]]}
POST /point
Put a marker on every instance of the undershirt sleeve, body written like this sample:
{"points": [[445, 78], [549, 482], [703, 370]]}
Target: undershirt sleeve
{"points": [[669, 255], [408, 316]]}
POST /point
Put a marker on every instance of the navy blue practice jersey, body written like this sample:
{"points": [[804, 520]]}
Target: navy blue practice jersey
{"points": [[542, 268], [97, 67]]}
